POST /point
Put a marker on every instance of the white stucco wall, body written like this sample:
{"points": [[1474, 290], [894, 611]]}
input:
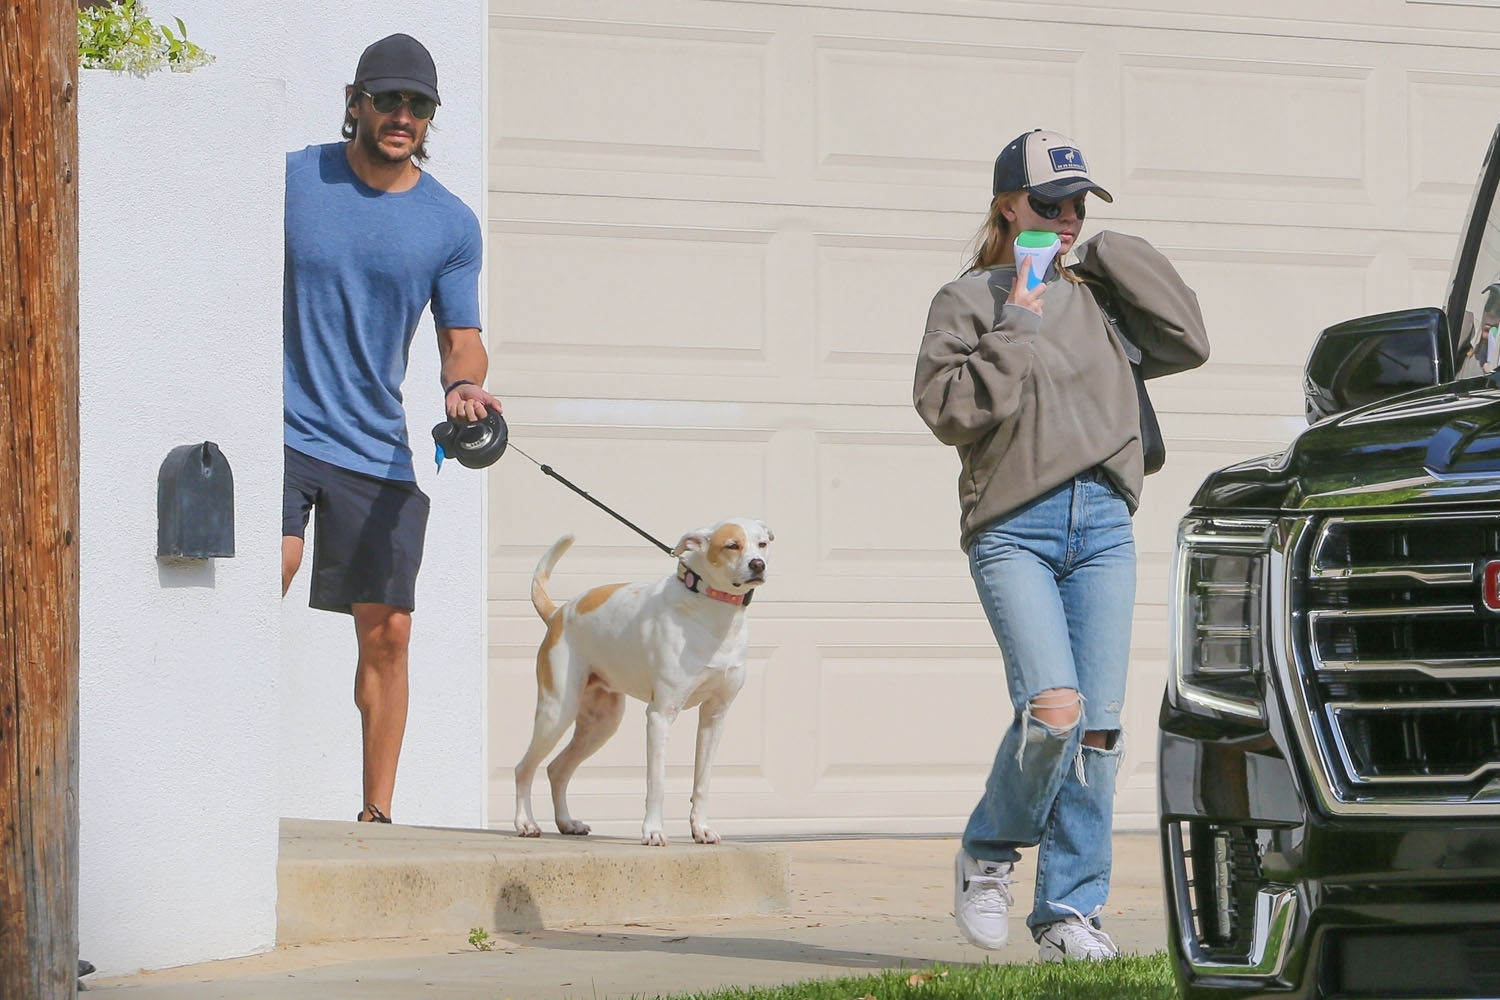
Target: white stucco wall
{"points": [[209, 707], [179, 343]]}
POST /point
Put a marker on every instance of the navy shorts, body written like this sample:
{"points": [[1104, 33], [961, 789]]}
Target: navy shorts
{"points": [[367, 537]]}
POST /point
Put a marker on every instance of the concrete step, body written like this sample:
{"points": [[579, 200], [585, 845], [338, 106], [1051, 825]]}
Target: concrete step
{"points": [[340, 880]]}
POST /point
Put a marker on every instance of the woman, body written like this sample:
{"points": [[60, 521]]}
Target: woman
{"points": [[1039, 398]]}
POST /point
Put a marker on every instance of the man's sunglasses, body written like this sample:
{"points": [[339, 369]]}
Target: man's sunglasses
{"points": [[387, 101], [1046, 209]]}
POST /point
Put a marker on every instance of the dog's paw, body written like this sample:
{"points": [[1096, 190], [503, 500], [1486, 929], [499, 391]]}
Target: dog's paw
{"points": [[656, 838], [704, 835], [528, 829], [573, 827]]}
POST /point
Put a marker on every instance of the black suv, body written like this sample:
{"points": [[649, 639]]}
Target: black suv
{"points": [[1329, 765]]}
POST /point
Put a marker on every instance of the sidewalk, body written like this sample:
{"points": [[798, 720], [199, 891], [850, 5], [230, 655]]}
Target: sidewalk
{"points": [[852, 906]]}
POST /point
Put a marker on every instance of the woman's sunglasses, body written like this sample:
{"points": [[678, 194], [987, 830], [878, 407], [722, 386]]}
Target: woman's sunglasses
{"points": [[387, 101], [1046, 209]]}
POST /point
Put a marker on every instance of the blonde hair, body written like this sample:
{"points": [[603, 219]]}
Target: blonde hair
{"points": [[993, 241]]}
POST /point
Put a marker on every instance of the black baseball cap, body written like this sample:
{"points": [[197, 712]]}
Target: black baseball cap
{"points": [[1046, 164], [397, 62]]}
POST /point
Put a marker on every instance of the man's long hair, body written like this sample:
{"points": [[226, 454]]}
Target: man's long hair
{"points": [[351, 125]]}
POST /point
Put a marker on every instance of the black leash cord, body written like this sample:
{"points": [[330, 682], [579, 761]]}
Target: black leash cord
{"points": [[632, 526]]}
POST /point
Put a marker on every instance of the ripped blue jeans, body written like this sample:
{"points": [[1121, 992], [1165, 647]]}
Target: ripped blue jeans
{"points": [[1057, 581]]}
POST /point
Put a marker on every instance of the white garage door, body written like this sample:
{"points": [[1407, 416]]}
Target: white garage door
{"points": [[714, 230]]}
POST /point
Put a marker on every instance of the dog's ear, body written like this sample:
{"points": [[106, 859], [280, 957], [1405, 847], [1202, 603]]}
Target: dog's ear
{"points": [[770, 535], [695, 540]]}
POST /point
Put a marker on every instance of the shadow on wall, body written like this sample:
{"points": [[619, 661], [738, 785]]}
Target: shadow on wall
{"points": [[177, 573], [516, 909]]}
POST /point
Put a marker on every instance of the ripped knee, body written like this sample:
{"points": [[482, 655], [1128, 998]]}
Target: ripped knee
{"points": [[1059, 709], [1102, 739]]}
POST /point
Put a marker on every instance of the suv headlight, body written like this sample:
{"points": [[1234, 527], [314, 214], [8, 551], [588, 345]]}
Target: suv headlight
{"points": [[1215, 650]]}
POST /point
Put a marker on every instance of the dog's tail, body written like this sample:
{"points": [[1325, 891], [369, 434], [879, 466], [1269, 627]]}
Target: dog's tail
{"points": [[539, 599]]}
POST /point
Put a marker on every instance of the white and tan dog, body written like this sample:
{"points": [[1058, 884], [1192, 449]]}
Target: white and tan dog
{"points": [[674, 644]]}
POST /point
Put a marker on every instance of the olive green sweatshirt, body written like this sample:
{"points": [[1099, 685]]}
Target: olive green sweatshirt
{"points": [[1030, 401]]}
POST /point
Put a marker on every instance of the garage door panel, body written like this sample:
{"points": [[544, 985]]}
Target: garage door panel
{"points": [[889, 710], [873, 295], [1315, 147], [692, 95], [693, 296], [867, 528], [927, 111], [1445, 145], [1318, 288]]}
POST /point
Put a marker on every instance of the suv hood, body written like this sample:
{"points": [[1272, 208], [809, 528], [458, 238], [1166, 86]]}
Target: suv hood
{"points": [[1435, 446]]}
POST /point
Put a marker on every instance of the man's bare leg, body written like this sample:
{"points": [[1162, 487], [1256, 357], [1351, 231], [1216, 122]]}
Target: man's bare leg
{"points": [[380, 693], [291, 558]]}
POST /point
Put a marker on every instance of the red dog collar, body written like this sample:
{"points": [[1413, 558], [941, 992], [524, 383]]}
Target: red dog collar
{"points": [[690, 580]]}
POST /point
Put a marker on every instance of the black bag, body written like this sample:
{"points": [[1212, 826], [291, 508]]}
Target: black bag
{"points": [[1153, 446]]}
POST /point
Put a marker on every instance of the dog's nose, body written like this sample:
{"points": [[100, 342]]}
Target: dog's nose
{"points": [[757, 565]]}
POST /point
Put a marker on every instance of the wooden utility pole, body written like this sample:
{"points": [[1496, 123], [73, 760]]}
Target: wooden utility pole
{"points": [[38, 499]]}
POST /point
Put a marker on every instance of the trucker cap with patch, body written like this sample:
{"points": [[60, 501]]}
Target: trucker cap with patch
{"points": [[1046, 164]]}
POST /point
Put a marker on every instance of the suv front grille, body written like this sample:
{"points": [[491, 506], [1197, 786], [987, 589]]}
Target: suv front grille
{"points": [[1402, 656]]}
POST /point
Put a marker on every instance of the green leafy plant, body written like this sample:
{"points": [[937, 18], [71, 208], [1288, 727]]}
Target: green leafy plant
{"points": [[479, 938], [121, 36]]}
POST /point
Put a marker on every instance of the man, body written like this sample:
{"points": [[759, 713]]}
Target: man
{"points": [[371, 241]]}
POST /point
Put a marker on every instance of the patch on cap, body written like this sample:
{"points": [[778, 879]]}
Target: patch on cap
{"points": [[1067, 158]]}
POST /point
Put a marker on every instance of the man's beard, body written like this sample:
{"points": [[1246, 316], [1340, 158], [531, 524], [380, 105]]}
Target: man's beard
{"points": [[370, 142]]}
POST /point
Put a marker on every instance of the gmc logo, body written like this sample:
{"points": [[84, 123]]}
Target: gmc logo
{"points": [[1489, 585]]}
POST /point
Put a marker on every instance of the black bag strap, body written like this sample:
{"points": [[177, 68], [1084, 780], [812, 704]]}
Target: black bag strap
{"points": [[1116, 325]]}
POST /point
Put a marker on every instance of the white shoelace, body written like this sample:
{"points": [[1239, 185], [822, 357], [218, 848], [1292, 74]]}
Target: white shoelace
{"points": [[989, 889], [1078, 932]]}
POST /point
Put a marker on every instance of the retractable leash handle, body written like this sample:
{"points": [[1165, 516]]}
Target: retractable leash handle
{"points": [[476, 444]]}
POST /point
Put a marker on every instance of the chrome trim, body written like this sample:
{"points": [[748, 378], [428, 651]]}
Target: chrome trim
{"points": [[1394, 611], [1429, 574], [1333, 708], [1462, 667], [1202, 540], [1289, 666], [1458, 668], [1275, 915], [1410, 516], [1271, 938]]}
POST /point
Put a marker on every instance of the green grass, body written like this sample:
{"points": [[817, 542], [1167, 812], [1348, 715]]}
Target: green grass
{"points": [[1134, 978]]}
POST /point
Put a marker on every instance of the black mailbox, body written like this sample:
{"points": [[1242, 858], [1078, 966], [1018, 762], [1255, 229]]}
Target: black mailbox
{"points": [[195, 503]]}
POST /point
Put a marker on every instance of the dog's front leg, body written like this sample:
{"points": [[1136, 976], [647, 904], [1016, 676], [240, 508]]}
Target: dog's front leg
{"points": [[710, 724], [659, 719]]}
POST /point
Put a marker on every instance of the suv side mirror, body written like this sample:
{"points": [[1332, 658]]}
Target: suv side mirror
{"points": [[1376, 357]]}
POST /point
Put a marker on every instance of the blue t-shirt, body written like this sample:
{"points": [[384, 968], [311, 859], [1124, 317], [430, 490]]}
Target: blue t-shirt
{"points": [[361, 265]]}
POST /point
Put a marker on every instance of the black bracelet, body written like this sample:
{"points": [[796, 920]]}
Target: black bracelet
{"points": [[456, 383]]}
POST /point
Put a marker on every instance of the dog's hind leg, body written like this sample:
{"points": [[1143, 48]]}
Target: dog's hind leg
{"points": [[556, 705], [710, 725], [553, 717], [599, 714]]}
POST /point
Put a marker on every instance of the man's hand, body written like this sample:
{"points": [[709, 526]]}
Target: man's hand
{"points": [[468, 402]]}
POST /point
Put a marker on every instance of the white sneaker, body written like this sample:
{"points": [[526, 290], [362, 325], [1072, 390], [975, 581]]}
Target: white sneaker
{"points": [[981, 899], [1075, 938]]}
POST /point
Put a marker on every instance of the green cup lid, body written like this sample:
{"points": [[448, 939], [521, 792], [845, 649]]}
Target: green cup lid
{"points": [[1036, 239]]}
